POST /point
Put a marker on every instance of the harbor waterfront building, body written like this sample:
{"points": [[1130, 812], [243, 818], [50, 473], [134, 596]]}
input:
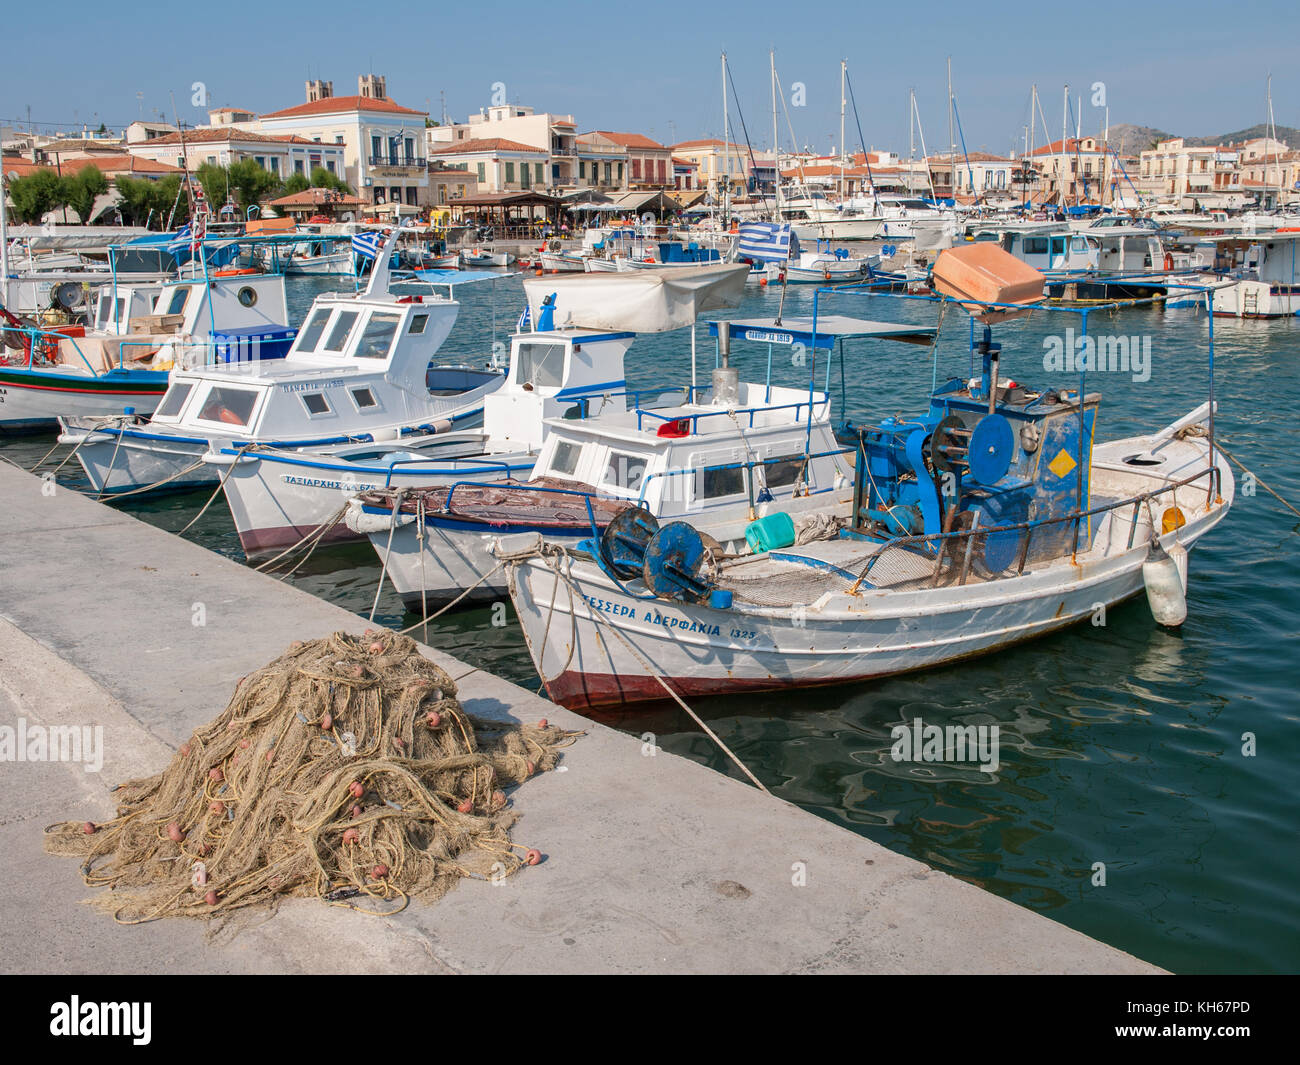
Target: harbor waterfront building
{"points": [[382, 143], [282, 154]]}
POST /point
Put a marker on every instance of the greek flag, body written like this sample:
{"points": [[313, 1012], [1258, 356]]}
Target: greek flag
{"points": [[522, 325], [367, 245], [181, 241], [764, 242]]}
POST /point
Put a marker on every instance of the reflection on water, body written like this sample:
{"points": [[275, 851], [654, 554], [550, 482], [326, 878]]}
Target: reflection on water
{"points": [[1119, 744]]}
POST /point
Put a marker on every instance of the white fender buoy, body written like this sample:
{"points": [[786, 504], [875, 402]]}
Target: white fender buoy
{"points": [[1164, 574]]}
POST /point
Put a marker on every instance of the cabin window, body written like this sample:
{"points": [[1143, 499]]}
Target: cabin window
{"points": [[377, 337], [247, 296], [316, 403], [784, 471], [565, 459], [624, 470], [364, 398], [418, 322], [229, 406], [174, 400], [1078, 244], [309, 336], [540, 365], [177, 304], [1035, 245], [342, 329], [719, 481]]}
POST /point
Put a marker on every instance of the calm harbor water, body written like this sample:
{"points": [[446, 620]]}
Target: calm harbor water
{"points": [[1120, 744]]}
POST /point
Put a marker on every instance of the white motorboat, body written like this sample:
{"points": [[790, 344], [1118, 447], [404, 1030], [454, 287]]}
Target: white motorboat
{"points": [[358, 371]]}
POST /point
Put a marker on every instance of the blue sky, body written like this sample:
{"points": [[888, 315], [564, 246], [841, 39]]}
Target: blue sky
{"points": [[654, 68]]}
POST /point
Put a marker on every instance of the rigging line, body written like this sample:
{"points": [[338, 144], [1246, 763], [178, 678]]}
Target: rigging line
{"points": [[857, 121], [745, 132]]}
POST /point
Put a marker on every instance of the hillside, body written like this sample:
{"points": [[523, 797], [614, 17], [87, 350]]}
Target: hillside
{"points": [[1126, 137]]}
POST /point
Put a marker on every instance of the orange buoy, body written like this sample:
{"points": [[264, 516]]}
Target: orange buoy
{"points": [[216, 775], [533, 856], [327, 722], [379, 871], [350, 836], [542, 723], [356, 789], [217, 807], [465, 807], [210, 898], [174, 832], [434, 719], [88, 828]]}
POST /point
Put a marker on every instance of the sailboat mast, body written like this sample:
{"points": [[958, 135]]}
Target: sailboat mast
{"points": [[843, 68], [776, 137], [726, 150], [1065, 135], [952, 144]]}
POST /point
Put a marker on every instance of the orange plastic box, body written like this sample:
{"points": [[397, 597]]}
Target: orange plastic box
{"points": [[982, 273]]}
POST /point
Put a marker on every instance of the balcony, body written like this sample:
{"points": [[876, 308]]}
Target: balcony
{"points": [[399, 159]]}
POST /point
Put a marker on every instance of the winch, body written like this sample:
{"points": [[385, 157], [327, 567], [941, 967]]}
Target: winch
{"points": [[987, 453]]}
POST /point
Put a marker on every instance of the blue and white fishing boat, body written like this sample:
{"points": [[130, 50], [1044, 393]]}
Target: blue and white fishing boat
{"points": [[720, 455], [358, 370], [990, 518], [137, 333]]}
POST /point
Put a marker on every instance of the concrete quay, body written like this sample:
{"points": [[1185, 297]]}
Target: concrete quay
{"points": [[653, 863]]}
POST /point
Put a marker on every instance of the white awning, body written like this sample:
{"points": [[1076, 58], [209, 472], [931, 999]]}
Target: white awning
{"points": [[642, 301]]}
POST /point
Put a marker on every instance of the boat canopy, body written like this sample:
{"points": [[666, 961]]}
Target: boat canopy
{"points": [[644, 301], [830, 328], [448, 277]]}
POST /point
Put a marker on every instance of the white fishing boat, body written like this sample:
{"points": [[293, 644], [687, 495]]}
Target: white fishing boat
{"points": [[358, 371], [721, 456], [989, 520], [480, 257], [138, 333], [1259, 279], [279, 495], [318, 257], [563, 262]]}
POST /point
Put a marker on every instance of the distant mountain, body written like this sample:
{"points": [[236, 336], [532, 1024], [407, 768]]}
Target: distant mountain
{"points": [[1126, 137], [1288, 135]]}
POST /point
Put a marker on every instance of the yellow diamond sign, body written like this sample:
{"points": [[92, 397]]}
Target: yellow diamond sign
{"points": [[1062, 464]]}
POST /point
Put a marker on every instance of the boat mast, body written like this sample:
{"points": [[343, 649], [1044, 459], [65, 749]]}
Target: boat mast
{"points": [[1065, 135], [952, 144], [4, 244], [776, 139], [1033, 104], [843, 67], [1277, 159], [726, 150]]}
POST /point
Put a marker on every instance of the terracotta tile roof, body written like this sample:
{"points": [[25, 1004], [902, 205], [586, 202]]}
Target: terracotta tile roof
{"points": [[121, 164], [332, 105], [226, 134], [315, 198], [487, 144], [626, 140]]}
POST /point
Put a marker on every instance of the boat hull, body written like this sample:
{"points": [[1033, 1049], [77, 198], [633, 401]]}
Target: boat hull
{"points": [[32, 399]]}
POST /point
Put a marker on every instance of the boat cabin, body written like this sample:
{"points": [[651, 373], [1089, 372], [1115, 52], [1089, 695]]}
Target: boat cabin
{"points": [[698, 457], [358, 365]]}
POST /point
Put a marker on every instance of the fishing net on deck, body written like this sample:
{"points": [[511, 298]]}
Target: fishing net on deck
{"points": [[345, 770]]}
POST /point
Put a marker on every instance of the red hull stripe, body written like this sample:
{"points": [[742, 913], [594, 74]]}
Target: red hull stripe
{"points": [[592, 691]]}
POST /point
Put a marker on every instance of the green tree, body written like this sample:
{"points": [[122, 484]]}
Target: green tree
{"points": [[296, 183], [244, 182], [146, 202], [80, 190], [326, 179], [35, 195]]}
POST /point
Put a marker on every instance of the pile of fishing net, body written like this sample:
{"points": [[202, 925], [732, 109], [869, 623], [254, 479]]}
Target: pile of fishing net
{"points": [[345, 769]]}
